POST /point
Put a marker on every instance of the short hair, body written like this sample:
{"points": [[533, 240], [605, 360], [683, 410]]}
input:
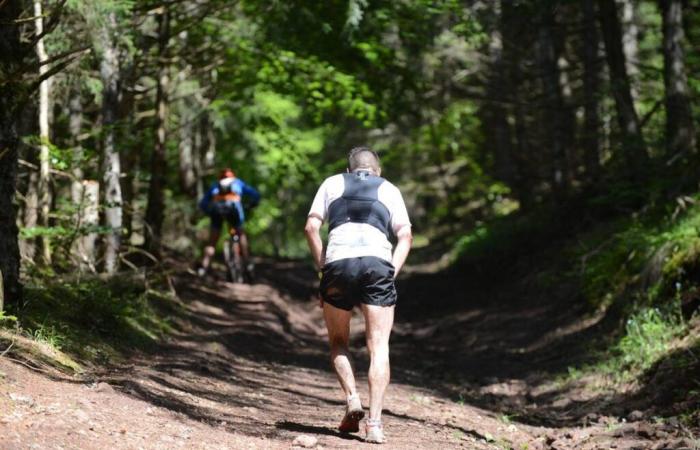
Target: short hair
{"points": [[363, 158]]}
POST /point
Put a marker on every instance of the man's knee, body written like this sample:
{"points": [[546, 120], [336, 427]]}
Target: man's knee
{"points": [[378, 350], [209, 250], [338, 344]]}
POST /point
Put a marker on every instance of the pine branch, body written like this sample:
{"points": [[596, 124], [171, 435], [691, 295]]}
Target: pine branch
{"points": [[53, 71]]}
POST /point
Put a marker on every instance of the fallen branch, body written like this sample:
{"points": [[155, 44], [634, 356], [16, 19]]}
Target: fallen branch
{"points": [[7, 349]]}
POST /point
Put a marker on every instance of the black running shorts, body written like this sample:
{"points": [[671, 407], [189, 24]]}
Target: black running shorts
{"points": [[367, 279]]}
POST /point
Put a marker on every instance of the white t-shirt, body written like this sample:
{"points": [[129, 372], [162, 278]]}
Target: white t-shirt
{"points": [[351, 240]]}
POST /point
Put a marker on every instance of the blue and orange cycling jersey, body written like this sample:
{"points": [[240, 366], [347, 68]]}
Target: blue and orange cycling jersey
{"points": [[230, 195]]}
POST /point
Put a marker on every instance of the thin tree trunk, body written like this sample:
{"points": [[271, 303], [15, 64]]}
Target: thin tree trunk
{"points": [[44, 157], [553, 107], [111, 165], [635, 152], [187, 141], [88, 216], [154, 210], [11, 56], [591, 91], [680, 130], [210, 147], [75, 126], [30, 216], [511, 26], [197, 145], [630, 42], [495, 124]]}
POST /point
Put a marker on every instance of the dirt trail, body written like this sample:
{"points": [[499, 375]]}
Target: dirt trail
{"points": [[248, 369]]}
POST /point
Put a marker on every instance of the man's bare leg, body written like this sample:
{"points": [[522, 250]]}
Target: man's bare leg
{"points": [[245, 252], [338, 325], [210, 249], [378, 323]]}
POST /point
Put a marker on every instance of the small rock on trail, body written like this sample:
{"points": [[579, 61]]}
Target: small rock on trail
{"points": [[305, 441]]}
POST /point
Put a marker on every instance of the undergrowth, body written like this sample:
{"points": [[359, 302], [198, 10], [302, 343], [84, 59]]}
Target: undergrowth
{"points": [[93, 320], [643, 265]]}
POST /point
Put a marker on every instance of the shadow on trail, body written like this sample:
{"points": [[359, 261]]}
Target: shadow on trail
{"points": [[313, 429], [245, 354]]}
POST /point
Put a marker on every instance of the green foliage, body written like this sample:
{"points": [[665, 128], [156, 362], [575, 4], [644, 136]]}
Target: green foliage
{"points": [[647, 337], [6, 319], [92, 319]]}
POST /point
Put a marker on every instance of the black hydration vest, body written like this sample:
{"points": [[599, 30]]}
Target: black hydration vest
{"points": [[360, 203]]}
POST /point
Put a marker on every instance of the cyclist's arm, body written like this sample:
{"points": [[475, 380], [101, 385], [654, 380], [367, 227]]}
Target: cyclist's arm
{"points": [[206, 200], [251, 192]]}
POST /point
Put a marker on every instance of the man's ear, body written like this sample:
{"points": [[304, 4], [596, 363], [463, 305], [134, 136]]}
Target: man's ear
{"points": [[379, 172]]}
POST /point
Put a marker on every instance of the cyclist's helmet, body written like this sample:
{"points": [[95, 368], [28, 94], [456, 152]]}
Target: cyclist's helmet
{"points": [[227, 173], [226, 178]]}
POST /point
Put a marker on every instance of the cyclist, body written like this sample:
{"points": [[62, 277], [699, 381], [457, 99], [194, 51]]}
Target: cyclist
{"points": [[223, 202]]}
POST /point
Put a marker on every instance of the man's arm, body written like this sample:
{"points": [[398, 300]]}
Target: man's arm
{"points": [[313, 237], [204, 202], [403, 246], [251, 192]]}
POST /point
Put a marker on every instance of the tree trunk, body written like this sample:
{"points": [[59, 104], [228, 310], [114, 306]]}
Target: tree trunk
{"points": [[635, 153], [88, 217], [30, 216], [630, 42], [554, 110], [495, 124], [111, 165], [511, 26], [10, 60], [207, 152], [680, 130], [44, 157], [591, 90], [75, 126], [154, 210], [188, 179]]}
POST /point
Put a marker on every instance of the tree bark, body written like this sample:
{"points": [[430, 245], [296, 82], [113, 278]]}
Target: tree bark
{"points": [[591, 91], [44, 157], [208, 150], [11, 56], [111, 165], [630, 42], [88, 216], [635, 153], [188, 178], [154, 210], [554, 110], [75, 126], [680, 129], [511, 26], [495, 123]]}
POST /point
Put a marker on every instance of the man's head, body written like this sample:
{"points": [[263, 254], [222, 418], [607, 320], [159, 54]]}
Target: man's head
{"points": [[363, 158], [226, 173]]}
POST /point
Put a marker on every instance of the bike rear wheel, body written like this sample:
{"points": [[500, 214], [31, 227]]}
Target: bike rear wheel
{"points": [[234, 263]]}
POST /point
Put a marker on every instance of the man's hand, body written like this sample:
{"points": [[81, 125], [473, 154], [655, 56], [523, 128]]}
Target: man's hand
{"points": [[403, 246], [313, 238]]}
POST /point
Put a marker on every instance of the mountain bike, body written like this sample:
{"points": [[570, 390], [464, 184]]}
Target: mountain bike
{"points": [[237, 269]]}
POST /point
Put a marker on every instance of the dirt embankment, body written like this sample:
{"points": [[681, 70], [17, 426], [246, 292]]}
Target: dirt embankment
{"points": [[248, 369]]}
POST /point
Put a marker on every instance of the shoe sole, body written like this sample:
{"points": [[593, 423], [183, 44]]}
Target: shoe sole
{"points": [[351, 421]]}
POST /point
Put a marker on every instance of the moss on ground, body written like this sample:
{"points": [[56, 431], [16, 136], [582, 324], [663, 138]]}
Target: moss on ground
{"points": [[89, 319]]}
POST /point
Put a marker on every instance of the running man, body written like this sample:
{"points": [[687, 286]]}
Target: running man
{"points": [[358, 269], [223, 202]]}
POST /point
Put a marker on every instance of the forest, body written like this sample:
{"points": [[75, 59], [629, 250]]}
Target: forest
{"points": [[547, 150]]}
